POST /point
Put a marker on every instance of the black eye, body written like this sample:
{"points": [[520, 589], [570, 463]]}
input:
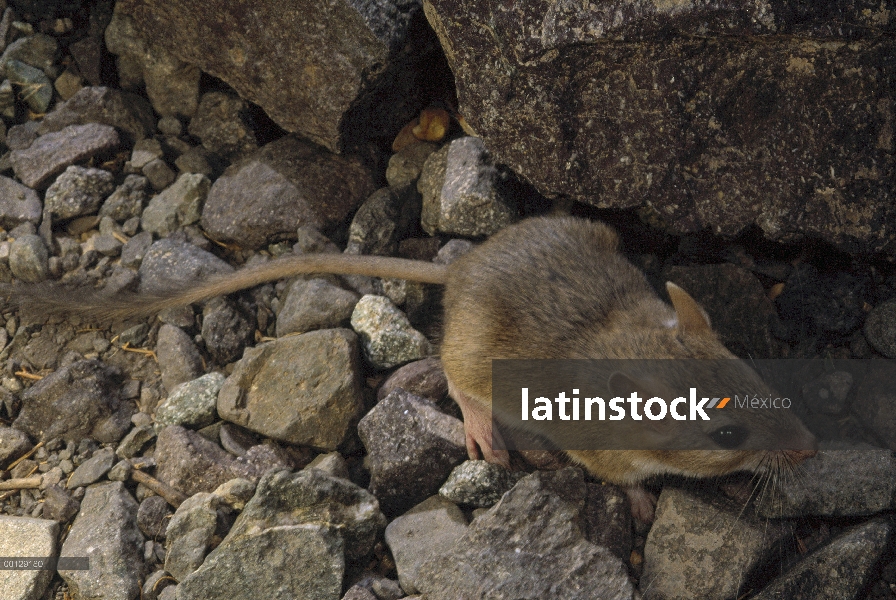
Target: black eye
{"points": [[729, 436]]}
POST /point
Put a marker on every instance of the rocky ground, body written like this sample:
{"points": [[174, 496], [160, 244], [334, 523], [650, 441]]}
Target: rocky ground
{"points": [[296, 440]]}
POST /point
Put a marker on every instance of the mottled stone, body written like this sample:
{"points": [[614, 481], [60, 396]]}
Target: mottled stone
{"points": [[386, 334], [51, 153], [18, 204], [78, 191]]}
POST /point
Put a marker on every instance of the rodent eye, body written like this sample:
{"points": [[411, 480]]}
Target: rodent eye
{"points": [[729, 436]]}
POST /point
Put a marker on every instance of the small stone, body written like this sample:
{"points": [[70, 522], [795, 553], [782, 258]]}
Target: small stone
{"points": [[134, 441], [92, 469], [78, 191], [7, 100], [35, 87], [51, 153], [29, 259], [314, 304], [880, 328], [478, 483], [189, 534], [375, 227], [170, 262], [331, 463], [121, 471], [219, 124], [236, 492], [145, 151], [127, 200], [192, 403], [178, 206], [406, 165], [226, 329], [135, 249], [68, 84], [159, 174], [179, 360], [386, 334], [134, 336], [453, 250], [107, 245], [170, 125], [59, 504], [13, 444], [194, 160], [38, 51], [423, 378], [18, 204]]}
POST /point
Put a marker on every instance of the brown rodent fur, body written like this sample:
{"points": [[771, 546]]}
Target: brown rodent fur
{"points": [[543, 288]]}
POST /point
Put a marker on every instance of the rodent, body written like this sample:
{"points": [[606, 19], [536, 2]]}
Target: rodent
{"points": [[546, 287]]}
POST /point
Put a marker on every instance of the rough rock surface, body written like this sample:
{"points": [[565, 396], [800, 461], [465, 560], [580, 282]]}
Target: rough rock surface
{"points": [[727, 125], [22, 536]]}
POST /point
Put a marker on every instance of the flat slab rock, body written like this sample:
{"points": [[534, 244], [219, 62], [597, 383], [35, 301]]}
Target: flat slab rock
{"points": [[737, 122], [529, 546], [51, 153]]}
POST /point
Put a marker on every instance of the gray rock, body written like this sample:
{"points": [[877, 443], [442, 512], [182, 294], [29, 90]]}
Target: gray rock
{"points": [[533, 84], [313, 402], [841, 569], [426, 531], [189, 534], [105, 531], [422, 378], [135, 249], [79, 400], [190, 463], [23, 536], [38, 50], [51, 153], [219, 123], [880, 328], [412, 448], [159, 174], [836, 483], [192, 403], [78, 191], [92, 469], [226, 329], [375, 228], [146, 151], [608, 519], [13, 444], [406, 165], [179, 360], [452, 250], [528, 546], [121, 471], [721, 543], [155, 585], [18, 204], [153, 517], [177, 206], [129, 113], [171, 84], [22, 135], [308, 560], [331, 463], [386, 334], [236, 492], [280, 187], [59, 504], [461, 189], [478, 483], [127, 200], [29, 259], [35, 87], [358, 592], [170, 262], [236, 440], [108, 245], [337, 73], [134, 441], [315, 304], [195, 160]]}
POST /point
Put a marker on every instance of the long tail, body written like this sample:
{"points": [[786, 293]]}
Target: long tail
{"points": [[56, 299]]}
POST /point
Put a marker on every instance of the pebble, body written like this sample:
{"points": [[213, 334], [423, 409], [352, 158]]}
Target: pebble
{"points": [[315, 304], [192, 403], [387, 337], [18, 204], [29, 259], [177, 206]]}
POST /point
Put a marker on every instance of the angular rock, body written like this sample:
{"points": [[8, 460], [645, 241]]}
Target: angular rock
{"points": [[129, 113], [13, 444], [841, 569], [315, 304], [179, 360], [134, 441], [376, 226], [192, 403], [836, 483], [673, 108], [461, 189], [406, 165], [171, 262], [738, 307], [34, 85], [135, 249], [18, 204], [236, 492], [331, 463], [106, 532], [159, 174], [177, 206], [74, 402], [478, 483], [29, 258], [190, 463], [189, 534], [608, 519], [528, 546], [386, 334], [814, 303], [412, 448], [171, 84], [336, 72], [59, 504], [127, 200], [227, 329], [426, 531], [219, 123], [303, 390], [78, 191], [23, 536], [284, 185], [721, 545], [422, 378], [51, 153], [38, 50], [92, 469], [153, 517]]}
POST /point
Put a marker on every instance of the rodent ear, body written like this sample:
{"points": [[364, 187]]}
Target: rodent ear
{"points": [[691, 316]]}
